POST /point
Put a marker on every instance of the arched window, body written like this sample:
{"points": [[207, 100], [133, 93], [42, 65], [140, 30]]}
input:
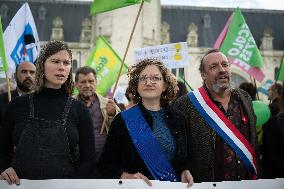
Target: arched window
{"points": [[178, 72], [41, 13], [207, 21], [74, 65], [153, 34], [4, 10]]}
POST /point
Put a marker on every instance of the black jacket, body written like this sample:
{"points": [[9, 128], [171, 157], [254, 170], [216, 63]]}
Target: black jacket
{"points": [[202, 140], [120, 155], [4, 103], [273, 147]]}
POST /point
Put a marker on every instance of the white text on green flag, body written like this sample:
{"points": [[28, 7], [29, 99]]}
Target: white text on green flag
{"points": [[106, 63], [237, 43]]}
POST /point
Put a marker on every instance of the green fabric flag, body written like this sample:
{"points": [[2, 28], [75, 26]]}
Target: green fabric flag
{"points": [[3, 61], [239, 42], [99, 6], [280, 75], [107, 64]]}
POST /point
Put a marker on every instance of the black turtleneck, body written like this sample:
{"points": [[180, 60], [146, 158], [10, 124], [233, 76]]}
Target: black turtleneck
{"points": [[49, 105]]}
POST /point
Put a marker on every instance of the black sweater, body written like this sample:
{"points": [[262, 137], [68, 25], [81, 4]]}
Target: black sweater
{"points": [[49, 105], [120, 155], [273, 147]]}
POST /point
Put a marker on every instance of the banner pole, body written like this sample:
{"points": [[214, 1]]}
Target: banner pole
{"points": [[127, 48], [254, 83], [8, 86]]}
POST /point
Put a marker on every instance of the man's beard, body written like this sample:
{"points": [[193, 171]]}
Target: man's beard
{"points": [[86, 96], [25, 86], [218, 87]]}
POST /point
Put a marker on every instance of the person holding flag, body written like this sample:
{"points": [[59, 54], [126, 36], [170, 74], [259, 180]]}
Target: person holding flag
{"points": [[145, 141], [221, 125], [25, 78], [102, 110]]}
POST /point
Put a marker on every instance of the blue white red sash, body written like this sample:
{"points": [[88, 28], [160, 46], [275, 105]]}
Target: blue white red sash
{"points": [[224, 127], [147, 145]]}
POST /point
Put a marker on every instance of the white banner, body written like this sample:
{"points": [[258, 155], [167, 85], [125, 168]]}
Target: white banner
{"points": [[174, 55], [119, 94], [140, 184], [20, 39]]}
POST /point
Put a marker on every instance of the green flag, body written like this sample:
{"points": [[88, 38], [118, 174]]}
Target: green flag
{"points": [[280, 75], [106, 63], [99, 6], [239, 42], [3, 61]]}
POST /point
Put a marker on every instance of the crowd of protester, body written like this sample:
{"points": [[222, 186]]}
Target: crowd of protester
{"points": [[165, 132]]}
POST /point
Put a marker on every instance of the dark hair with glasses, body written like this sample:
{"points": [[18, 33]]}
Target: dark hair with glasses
{"points": [[153, 78], [134, 78]]}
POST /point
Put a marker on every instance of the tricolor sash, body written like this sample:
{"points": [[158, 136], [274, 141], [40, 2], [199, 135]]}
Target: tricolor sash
{"points": [[223, 127], [147, 145]]}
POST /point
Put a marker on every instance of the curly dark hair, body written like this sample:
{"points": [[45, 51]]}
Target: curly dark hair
{"points": [[51, 48], [133, 74]]}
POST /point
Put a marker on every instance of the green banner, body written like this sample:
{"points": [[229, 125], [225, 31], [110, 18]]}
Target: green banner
{"points": [[280, 75], [106, 63], [239, 42], [3, 61], [99, 6]]}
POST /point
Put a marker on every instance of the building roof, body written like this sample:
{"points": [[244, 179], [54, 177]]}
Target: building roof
{"points": [[180, 17], [72, 14], [210, 21]]}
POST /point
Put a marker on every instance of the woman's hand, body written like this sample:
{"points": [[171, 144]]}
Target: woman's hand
{"points": [[137, 175], [186, 177], [10, 176]]}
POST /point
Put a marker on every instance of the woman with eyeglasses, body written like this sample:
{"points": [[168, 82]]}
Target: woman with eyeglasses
{"points": [[148, 141], [48, 134]]}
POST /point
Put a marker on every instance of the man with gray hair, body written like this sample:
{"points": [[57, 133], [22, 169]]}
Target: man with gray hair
{"points": [[220, 125]]}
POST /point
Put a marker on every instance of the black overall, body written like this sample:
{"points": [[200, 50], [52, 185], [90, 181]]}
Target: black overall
{"points": [[43, 151]]}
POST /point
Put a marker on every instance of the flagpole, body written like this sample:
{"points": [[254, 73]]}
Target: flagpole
{"points": [[127, 48], [187, 84], [254, 82], [8, 86], [250, 79]]}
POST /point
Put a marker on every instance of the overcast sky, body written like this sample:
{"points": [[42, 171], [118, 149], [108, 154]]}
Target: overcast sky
{"points": [[252, 4]]}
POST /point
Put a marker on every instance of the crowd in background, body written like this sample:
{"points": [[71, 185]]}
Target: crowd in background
{"points": [[164, 133]]}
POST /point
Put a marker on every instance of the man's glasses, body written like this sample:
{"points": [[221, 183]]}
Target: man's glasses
{"points": [[153, 79]]}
